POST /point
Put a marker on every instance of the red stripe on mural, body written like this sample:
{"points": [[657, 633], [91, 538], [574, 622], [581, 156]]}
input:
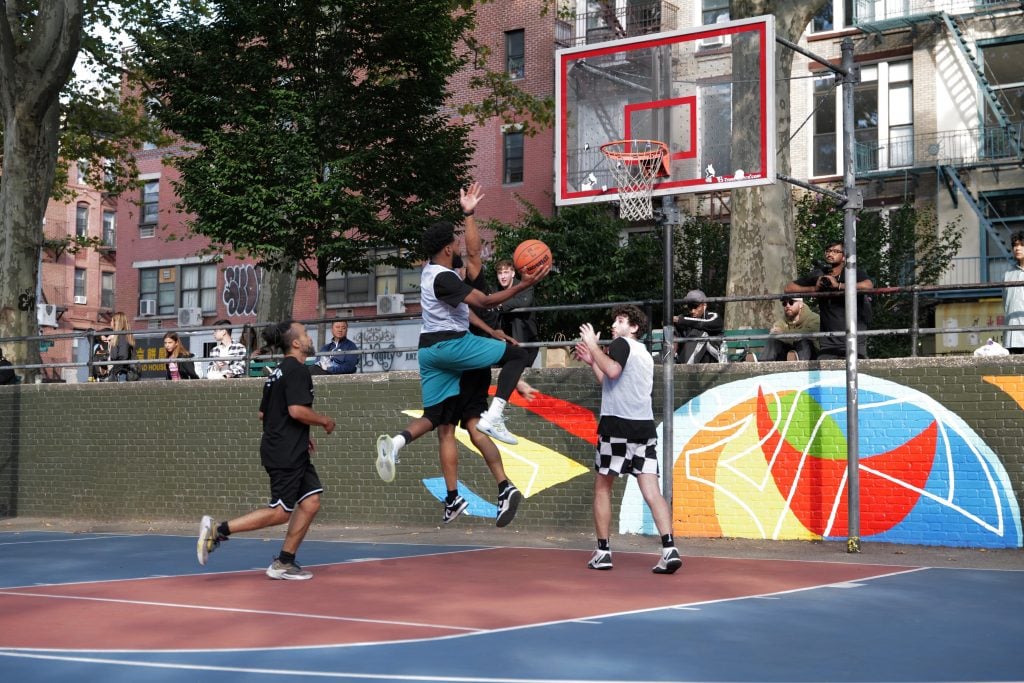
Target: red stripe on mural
{"points": [[817, 483], [574, 419]]}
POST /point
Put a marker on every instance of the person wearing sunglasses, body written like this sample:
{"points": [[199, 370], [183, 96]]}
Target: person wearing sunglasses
{"points": [[830, 277], [796, 318]]}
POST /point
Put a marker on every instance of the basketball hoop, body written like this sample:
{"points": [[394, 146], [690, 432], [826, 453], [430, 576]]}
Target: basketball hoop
{"points": [[635, 165]]}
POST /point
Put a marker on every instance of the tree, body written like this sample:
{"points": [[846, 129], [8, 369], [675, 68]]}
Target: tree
{"points": [[317, 130], [593, 263], [701, 259], [901, 247], [49, 116], [761, 237]]}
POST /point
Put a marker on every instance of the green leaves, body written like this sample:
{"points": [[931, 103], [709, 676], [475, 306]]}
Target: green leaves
{"points": [[319, 126]]}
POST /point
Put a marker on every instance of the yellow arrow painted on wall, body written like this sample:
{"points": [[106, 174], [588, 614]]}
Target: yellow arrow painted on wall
{"points": [[531, 466]]}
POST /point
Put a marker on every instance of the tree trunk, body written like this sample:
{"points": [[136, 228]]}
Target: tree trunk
{"points": [[762, 243], [34, 67], [277, 295]]}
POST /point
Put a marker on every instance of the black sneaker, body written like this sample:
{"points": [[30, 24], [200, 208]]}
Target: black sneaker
{"points": [[454, 509], [508, 503], [669, 562]]}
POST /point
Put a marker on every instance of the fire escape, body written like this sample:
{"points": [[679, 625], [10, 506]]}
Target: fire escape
{"points": [[948, 154]]}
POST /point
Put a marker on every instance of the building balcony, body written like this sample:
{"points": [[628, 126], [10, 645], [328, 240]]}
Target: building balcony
{"points": [[882, 14], [634, 19], [971, 147]]}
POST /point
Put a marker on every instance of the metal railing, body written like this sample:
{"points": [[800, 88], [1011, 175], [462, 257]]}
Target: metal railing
{"points": [[650, 306], [873, 11], [633, 19], [969, 147]]}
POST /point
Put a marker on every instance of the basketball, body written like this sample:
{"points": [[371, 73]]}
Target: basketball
{"points": [[531, 255]]}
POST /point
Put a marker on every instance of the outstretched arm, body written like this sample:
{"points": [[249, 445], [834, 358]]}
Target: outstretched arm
{"points": [[469, 198]]}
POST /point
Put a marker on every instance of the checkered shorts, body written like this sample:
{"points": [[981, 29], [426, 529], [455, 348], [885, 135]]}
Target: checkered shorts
{"points": [[620, 456]]}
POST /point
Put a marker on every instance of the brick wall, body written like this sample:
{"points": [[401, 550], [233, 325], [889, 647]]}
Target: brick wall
{"points": [[163, 450]]}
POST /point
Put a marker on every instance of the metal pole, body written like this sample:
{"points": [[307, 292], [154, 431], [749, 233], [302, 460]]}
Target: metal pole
{"points": [[853, 203], [669, 222]]}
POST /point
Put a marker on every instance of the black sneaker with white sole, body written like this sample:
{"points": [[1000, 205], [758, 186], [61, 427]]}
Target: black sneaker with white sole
{"points": [[508, 503], [454, 509]]}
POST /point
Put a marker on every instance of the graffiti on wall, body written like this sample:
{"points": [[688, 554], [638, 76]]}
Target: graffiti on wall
{"points": [[241, 292], [765, 457]]}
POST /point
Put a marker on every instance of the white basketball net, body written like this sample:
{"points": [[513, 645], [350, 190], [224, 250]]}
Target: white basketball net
{"points": [[634, 165]]}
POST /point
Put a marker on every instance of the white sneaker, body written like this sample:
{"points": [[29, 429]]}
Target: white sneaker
{"points": [[386, 457], [496, 429], [669, 562], [602, 559]]}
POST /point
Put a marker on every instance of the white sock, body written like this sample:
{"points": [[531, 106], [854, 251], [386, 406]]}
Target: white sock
{"points": [[496, 409], [398, 442]]}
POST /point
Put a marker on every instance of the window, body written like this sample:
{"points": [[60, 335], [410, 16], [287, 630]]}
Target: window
{"points": [[81, 283], [199, 287], [83, 171], [513, 157], [150, 210], [345, 288], [107, 289], [82, 220], [109, 229], [515, 54], [1001, 62], [716, 124], [184, 286], [883, 119], [825, 129], [1005, 211], [714, 11]]}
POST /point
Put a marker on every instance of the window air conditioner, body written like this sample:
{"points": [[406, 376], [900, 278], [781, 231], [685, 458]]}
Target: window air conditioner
{"points": [[390, 303], [190, 317], [80, 299], [46, 315], [147, 306]]}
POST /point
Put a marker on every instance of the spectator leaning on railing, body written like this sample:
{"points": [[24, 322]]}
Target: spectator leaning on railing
{"points": [[7, 375], [228, 349], [1013, 297]]}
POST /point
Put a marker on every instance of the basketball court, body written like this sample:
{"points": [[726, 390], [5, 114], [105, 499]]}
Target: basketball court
{"points": [[126, 607]]}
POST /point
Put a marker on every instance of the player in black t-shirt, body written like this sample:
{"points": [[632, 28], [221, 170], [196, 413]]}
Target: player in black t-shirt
{"points": [[287, 412]]}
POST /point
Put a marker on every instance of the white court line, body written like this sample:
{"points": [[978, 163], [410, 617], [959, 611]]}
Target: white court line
{"points": [[68, 540], [238, 610], [321, 674]]}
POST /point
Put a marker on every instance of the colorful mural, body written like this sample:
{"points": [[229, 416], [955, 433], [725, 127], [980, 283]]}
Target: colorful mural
{"points": [[765, 457]]}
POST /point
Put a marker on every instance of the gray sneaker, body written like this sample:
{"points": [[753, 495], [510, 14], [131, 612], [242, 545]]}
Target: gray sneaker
{"points": [[289, 571], [386, 459], [496, 429]]}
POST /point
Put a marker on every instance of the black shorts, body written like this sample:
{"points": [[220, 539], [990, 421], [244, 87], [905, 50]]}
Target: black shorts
{"points": [[289, 486], [473, 394], [444, 413]]}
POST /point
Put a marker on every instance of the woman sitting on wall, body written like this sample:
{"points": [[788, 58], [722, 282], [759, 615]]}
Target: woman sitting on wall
{"points": [[177, 366]]}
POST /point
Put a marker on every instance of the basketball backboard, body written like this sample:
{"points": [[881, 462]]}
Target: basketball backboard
{"points": [[708, 92]]}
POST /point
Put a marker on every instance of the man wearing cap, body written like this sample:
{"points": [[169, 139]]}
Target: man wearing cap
{"points": [[796, 319], [693, 327]]}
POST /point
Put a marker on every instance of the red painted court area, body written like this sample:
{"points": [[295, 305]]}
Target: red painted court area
{"points": [[386, 600]]}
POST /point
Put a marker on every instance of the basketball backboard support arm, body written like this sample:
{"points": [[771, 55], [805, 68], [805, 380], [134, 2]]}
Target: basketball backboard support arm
{"points": [[852, 200]]}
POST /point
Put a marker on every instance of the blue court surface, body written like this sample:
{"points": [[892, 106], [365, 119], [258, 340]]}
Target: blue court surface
{"points": [[119, 607]]}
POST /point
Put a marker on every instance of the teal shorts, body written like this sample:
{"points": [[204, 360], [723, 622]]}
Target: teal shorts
{"points": [[442, 364]]}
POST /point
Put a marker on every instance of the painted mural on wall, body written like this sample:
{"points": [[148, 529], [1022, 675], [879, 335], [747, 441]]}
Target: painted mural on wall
{"points": [[241, 292], [765, 457]]}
